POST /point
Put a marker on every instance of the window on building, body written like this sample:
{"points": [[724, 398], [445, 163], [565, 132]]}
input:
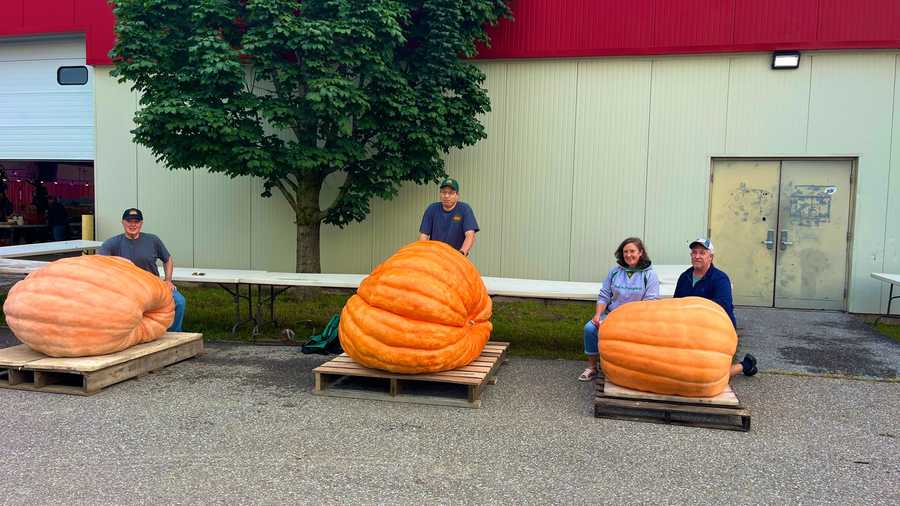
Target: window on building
{"points": [[72, 76]]}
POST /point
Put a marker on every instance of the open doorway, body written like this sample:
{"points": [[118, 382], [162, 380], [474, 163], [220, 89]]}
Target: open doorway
{"points": [[43, 201]]}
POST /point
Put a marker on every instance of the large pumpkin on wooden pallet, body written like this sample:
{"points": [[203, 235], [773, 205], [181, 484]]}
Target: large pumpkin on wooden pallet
{"points": [[88, 305], [673, 346], [425, 309]]}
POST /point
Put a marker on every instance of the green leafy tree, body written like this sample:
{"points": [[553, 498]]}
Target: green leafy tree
{"points": [[294, 90]]}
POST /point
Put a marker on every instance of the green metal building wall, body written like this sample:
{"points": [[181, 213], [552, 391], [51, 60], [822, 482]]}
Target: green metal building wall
{"points": [[580, 153]]}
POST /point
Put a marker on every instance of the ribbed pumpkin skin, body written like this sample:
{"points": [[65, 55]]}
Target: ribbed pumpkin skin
{"points": [[671, 346], [88, 305], [425, 309]]}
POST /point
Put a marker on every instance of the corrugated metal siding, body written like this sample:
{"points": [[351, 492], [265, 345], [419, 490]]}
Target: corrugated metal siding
{"points": [[767, 111], [892, 223], [481, 169], [687, 124], [396, 222], [348, 249], [273, 234], [545, 28], [850, 113], [860, 20], [115, 166], [775, 21], [93, 18], [612, 25], [166, 198], [554, 28], [537, 182], [609, 185], [553, 185], [692, 23], [558, 28], [48, 12], [221, 220]]}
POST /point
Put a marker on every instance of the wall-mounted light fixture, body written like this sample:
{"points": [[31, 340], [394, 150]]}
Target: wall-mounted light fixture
{"points": [[785, 59]]}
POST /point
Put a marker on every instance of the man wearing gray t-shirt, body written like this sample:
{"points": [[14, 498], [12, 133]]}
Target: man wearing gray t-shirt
{"points": [[143, 250]]}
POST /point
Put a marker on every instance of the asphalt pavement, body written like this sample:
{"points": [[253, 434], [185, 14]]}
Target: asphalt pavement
{"points": [[240, 425]]}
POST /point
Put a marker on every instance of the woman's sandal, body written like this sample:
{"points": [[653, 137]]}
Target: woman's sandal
{"points": [[588, 374]]}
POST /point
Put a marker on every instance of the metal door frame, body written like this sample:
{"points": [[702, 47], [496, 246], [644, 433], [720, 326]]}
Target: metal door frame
{"points": [[851, 214]]}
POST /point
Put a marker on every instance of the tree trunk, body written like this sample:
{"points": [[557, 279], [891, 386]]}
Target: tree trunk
{"points": [[308, 247], [303, 197]]}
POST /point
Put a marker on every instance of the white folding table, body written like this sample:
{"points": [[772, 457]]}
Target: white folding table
{"points": [[230, 281], [892, 279], [47, 248]]}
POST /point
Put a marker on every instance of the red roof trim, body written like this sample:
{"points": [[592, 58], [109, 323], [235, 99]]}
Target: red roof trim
{"points": [[578, 28]]}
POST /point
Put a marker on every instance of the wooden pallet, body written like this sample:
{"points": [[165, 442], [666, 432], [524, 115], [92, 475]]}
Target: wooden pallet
{"points": [[723, 411], [342, 377], [21, 368]]}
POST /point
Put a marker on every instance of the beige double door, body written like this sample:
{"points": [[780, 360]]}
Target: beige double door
{"points": [[780, 230]]}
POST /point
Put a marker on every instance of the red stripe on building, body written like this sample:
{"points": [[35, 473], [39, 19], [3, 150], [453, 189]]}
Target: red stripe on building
{"points": [[573, 28]]}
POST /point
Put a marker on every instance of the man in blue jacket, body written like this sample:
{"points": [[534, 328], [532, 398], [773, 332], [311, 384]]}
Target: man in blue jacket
{"points": [[703, 279]]}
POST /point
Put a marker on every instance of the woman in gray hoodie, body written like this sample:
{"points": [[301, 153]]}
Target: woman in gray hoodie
{"points": [[631, 279]]}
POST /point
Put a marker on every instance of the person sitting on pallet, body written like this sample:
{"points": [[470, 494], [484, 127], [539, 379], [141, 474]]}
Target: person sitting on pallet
{"points": [[143, 250], [703, 279], [631, 279]]}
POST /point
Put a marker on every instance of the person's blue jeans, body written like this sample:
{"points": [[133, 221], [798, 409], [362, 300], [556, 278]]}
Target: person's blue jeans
{"points": [[179, 311], [591, 338]]}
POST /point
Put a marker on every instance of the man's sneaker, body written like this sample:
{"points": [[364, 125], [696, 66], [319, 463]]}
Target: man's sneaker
{"points": [[749, 365]]}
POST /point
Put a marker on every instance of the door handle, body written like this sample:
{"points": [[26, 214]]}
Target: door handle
{"points": [[770, 239], [784, 240]]}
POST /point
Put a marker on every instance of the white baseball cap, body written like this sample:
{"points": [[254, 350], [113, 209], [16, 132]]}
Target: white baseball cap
{"points": [[702, 241]]}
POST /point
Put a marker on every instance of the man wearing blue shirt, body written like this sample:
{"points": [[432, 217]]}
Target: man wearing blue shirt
{"points": [[450, 220], [703, 279]]}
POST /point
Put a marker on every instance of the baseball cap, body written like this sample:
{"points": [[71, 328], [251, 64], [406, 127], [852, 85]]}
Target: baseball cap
{"points": [[702, 241], [452, 183], [133, 214]]}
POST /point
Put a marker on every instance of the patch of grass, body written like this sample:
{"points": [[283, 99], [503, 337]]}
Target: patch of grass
{"points": [[892, 331], [540, 329], [211, 312]]}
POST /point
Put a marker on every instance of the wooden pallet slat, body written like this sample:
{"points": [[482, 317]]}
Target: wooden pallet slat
{"points": [[333, 377], [25, 369], [723, 411]]}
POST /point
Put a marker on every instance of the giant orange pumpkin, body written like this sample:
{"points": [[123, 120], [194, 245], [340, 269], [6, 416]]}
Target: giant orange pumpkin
{"points": [[88, 305], [673, 346], [425, 309]]}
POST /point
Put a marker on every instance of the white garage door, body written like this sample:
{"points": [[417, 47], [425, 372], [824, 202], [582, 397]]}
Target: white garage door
{"points": [[41, 119]]}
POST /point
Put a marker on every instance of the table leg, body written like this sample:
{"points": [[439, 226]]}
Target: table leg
{"points": [[260, 301], [236, 297], [890, 299], [237, 307], [272, 303]]}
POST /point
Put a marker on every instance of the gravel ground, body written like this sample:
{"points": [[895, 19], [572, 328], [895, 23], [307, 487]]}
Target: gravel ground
{"points": [[818, 342], [239, 425]]}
